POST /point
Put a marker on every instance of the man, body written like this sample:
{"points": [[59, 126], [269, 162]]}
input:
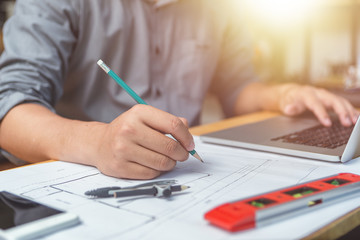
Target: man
{"points": [[56, 103]]}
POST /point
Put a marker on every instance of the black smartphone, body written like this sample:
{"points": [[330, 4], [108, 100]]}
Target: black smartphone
{"points": [[22, 218]]}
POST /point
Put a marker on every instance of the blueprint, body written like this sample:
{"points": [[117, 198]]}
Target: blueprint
{"points": [[228, 174]]}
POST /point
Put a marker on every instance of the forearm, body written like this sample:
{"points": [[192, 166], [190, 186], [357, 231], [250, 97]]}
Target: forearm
{"points": [[259, 96], [34, 133]]}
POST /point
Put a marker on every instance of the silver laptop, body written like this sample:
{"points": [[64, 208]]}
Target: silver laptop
{"points": [[301, 136]]}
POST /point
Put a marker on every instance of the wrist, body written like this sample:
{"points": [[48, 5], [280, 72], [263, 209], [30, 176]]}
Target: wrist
{"points": [[276, 96], [82, 143]]}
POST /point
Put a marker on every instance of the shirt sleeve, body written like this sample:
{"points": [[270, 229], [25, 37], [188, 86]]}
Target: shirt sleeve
{"points": [[38, 41], [235, 69]]}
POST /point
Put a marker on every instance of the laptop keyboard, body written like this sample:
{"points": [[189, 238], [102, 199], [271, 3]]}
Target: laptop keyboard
{"points": [[320, 136]]}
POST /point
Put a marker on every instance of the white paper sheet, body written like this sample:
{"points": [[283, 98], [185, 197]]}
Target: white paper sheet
{"points": [[228, 174]]}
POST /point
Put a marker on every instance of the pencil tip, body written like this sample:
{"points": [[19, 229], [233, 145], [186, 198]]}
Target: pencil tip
{"points": [[198, 157]]}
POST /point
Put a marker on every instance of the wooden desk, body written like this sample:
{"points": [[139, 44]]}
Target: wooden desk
{"points": [[231, 122], [334, 230]]}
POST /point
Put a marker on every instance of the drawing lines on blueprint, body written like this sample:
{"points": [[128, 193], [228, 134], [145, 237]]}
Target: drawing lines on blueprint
{"points": [[307, 174], [46, 190], [206, 188], [47, 178]]}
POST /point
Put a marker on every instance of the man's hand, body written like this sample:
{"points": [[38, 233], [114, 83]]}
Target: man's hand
{"points": [[296, 99], [134, 144]]}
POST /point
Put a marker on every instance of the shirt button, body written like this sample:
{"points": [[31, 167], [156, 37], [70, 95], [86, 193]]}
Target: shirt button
{"points": [[158, 92], [157, 50]]}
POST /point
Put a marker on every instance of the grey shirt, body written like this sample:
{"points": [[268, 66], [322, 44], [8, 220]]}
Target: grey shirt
{"points": [[170, 52]]}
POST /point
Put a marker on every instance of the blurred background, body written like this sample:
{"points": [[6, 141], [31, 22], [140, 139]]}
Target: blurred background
{"points": [[304, 41]]}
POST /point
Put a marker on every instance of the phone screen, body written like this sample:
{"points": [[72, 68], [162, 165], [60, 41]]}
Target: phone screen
{"points": [[15, 210]]}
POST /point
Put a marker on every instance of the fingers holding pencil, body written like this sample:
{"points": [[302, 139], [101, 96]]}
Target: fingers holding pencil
{"points": [[167, 123], [134, 144]]}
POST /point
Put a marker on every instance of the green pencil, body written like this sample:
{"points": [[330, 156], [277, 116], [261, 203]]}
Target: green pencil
{"points": [[133, 94]]}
